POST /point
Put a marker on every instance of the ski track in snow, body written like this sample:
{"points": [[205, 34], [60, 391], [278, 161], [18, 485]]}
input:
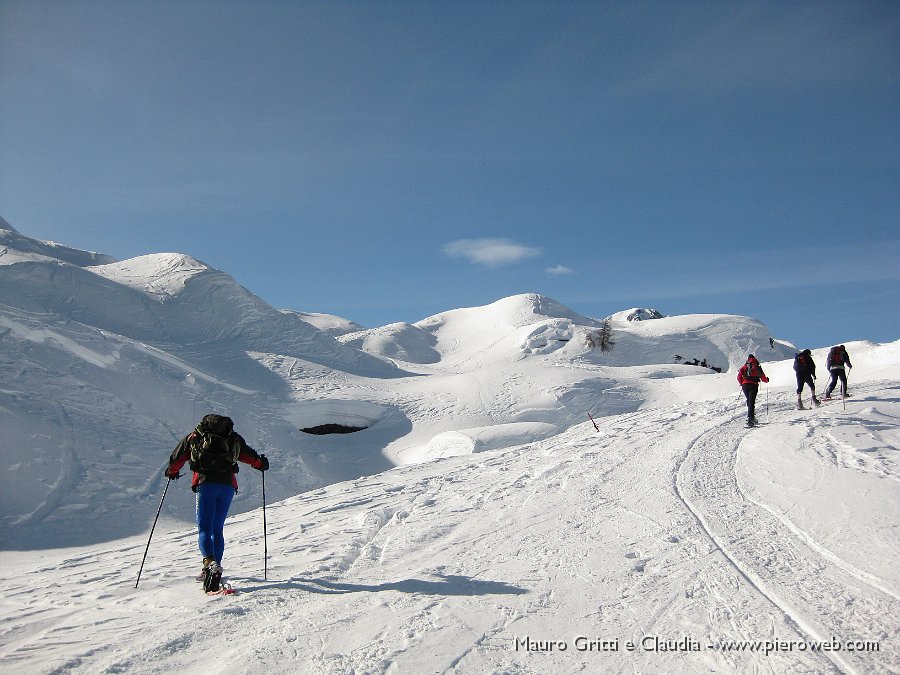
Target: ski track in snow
{"points": [[818, 592]]}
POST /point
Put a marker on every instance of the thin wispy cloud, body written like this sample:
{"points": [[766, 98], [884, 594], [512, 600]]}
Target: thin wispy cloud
{"points": [[490, 252], [560, 270], [701, 275]]}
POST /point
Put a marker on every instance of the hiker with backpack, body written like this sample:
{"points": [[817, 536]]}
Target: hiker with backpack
{"points": [[213, 450], [805, 369], [836, 361], [749, 377]]}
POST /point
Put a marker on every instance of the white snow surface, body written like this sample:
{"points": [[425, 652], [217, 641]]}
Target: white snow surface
{"points": [[328, 323], [480, 523]]}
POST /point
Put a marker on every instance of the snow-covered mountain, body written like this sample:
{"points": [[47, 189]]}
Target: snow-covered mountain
{"points": [[477, 513], [26, 246], [108, 363]]}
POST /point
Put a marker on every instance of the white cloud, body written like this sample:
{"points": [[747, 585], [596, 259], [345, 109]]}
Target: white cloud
{"points": [[490, 252], [560, 269]]}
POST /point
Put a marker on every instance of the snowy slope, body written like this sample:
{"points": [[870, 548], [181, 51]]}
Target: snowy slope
{"points": [[522, 368], [672, 531], [477, 506], [327, 323]]}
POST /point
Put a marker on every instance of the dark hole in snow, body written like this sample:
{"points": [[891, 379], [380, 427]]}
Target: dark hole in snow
{"points": [[323, 429]]}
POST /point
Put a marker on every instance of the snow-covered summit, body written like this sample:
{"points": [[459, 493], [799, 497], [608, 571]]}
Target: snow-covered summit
{"points": [[514, 311], [163, 299], [636, 314], [161, 275]]}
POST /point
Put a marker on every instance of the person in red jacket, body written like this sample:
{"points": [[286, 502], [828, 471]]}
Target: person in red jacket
{"points": [[213, 450], [749, 377]]}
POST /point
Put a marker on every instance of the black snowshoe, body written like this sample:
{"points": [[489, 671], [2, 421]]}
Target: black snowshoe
{"points": [[212, 577]]}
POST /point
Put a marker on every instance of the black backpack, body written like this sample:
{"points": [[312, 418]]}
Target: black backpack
{"points": [[753, 369], [215, 447]]}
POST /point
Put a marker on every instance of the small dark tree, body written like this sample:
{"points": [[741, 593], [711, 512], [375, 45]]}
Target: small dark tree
{"points": [[601, 339], [606, 339]]}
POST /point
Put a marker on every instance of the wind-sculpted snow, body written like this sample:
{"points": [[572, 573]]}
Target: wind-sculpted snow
{"points": [[400, 341], [162, 275], [481, 439], [538, 326], [171, 299]]}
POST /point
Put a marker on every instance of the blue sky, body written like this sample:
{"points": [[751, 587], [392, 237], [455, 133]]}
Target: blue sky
{"points": [[384, 161]]}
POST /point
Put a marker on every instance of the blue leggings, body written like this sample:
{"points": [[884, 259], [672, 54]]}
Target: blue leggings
{"points": [[213, 502]]}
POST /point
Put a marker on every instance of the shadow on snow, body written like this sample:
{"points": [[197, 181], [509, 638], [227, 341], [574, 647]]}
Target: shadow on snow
{"points": [[444, 585]]}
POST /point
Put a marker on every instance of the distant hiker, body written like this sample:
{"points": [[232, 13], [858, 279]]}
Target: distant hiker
{"points": [[835, 361], [213, 450], [771, 343], [805, 369], [749, 377]]}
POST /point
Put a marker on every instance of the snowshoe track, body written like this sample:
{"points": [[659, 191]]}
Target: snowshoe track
{"points": [[817, 592]]}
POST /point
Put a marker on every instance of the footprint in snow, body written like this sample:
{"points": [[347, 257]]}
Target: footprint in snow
{"points": [[641, 563]]}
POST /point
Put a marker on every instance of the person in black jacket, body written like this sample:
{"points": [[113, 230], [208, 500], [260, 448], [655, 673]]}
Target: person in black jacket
{"points": [[837, 360], [805, 369]]}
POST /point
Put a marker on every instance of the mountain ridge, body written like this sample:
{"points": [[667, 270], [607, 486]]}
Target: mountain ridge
{"points": [[108, 365]]}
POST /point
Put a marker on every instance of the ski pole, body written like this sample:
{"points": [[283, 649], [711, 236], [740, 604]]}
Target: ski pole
{"points": [[158, 511], [767, 401], [844, 390], [265, 540], [593, 422]]}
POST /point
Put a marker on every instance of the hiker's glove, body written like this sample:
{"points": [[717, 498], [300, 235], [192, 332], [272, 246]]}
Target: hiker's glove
{"points": [[171, 474], [263, 463], [849, 367], [765, 379]]}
